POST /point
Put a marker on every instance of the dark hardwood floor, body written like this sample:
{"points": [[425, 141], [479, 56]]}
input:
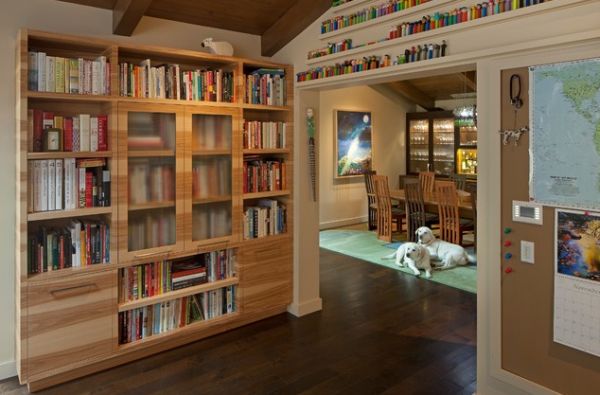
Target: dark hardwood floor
{"points": [[380, 332]]}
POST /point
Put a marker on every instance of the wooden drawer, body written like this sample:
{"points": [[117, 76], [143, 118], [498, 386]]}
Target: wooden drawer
{"points": [[265, 271], [69, 320]]}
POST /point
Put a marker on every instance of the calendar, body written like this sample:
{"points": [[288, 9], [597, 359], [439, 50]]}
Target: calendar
{"points": [[577, 280]]}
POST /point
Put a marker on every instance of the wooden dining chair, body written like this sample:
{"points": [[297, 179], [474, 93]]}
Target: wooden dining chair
{"points": [[387, 214], [371, 199], [460, 180], [452, 226], [416, 214], [427, 181]]}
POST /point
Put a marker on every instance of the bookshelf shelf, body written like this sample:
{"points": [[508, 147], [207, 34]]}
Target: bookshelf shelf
{"points": [[260, 195], [58, 214], [62, 155], [150, 153], [211, 199], [212, 152], [151, 205], [180, 293], [266, 151], [166, 173], [195, 326]]}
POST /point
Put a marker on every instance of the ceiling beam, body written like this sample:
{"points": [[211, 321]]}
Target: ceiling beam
{"points": [[292, 23], [469, 78], [416, 96], [127, 15]]}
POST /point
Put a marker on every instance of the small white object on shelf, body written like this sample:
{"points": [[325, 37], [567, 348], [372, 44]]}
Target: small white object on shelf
{"points": [[218, 47]]}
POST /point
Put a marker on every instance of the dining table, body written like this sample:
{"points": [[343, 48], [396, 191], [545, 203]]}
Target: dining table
{"points": [[431, 205]]}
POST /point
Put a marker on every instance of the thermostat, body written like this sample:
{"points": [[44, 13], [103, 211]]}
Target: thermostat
{"points": [[527, 212]]}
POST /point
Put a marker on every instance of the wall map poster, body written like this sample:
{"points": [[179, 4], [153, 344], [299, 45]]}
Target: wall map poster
{"points": [[565, 134], [577, 280]]}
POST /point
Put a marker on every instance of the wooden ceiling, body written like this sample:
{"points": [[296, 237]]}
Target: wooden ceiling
{"points": [[276, 21], [425, 91]]}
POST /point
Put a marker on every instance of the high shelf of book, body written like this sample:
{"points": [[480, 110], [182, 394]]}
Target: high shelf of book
{"points": [[155, 200]]}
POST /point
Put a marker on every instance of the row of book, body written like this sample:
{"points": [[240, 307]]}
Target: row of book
{"points": [[264, 219], [211, 177], [68, 75], [157, 278], [151, 229], [168, 81], [80, 244], [143, 322], [150, 181], [211, 132], [262, 175], [80, 133], [260, 135], [211, 221], [266, 87], [68, 184]]}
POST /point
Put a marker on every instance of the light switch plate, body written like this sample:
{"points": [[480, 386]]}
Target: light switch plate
{"points": [[527, 251]]}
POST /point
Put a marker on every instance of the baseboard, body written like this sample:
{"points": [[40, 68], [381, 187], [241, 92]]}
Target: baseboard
{"points": [[306, 308], [343, 222], [7, 369]]}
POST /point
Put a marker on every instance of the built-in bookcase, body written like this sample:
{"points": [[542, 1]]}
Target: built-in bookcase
{"points": [[130, 186]]}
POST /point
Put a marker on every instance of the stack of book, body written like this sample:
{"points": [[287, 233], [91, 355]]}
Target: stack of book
{"points": [[263, 175], [80, 133], [266, 86], [152, 229], [150, 182], [80, 244], [68, 75], [143, 322], [265, 219], [167, 81], [259, 135], [211, 221], [211, 132], [211, 178], [68, 184]]}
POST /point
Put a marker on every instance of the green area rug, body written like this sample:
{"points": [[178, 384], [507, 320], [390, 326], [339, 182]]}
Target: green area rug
{"points": [[365, 245]]}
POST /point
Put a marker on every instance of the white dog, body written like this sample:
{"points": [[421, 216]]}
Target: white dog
{"points": [[415, 256], [449, 254]]}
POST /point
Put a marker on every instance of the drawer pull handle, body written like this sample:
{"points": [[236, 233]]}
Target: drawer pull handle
{"points": [[153, 254], [74, 290]]}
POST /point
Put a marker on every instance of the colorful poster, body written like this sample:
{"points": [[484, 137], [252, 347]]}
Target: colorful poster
{"points": [[565, 134], [354, 151], [577, 280]]}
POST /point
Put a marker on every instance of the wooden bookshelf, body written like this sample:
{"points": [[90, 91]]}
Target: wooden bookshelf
{"points": [[67, 320]]}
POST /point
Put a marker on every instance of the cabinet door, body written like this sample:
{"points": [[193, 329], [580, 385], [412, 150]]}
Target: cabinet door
{"points": [[152, 161], [265, 270], [70, 320], [443, 146], [418, 145], [210, 166]]}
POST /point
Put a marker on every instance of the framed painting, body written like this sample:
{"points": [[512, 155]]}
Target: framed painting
{"points": [[353, 144]]}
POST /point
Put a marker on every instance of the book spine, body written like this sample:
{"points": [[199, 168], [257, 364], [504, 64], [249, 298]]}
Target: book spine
{"points": [[51, 180], [32, 75], [59, 67], [102, 132], [38, 131], [82, 182], [89, 185], [93, 134], [50, 74], [76, 134], [59, 184], [41, 86], [84, 132]]}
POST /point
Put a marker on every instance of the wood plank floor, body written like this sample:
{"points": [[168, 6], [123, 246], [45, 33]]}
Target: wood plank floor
{"points": [[380, 332]]}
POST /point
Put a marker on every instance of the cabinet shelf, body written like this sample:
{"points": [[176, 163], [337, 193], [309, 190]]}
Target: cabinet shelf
{"points": [[70, 97], [150, 153], [265, 107], [212, 199], [151, 205], [68, 154], [80, 212], [212, 152], [180, 293], [265, 151], [259, 195]]}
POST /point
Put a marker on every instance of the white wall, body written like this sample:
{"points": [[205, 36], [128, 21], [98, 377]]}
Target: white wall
{"points": [[344, 201], [61, 17]]}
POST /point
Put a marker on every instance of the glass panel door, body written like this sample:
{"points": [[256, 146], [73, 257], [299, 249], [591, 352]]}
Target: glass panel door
{"points": [[211, 176], [418, 132], [151, 157], [443, 146]]}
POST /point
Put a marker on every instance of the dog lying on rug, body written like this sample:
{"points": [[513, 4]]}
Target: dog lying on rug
{"points": [[415, 256], [448, 254]]}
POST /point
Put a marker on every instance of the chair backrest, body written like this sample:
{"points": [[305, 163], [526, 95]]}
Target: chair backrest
{"points": [[403, 178], [427, 181], [369, 185], [415, 207], [384, 207], [460, 180], [449, 211]]}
